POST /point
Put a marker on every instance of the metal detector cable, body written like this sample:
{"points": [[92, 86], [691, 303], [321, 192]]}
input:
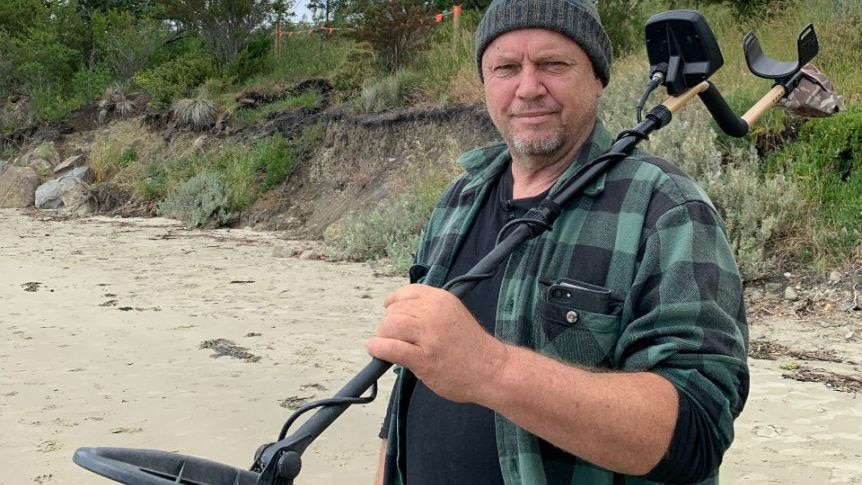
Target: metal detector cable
{"points": [[654, 82], [535, 223], [333, 401]]}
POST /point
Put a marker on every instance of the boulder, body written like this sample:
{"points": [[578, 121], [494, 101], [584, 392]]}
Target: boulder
{"points": [[17, 186], [40, 165], [70, 162], [70, 191]]}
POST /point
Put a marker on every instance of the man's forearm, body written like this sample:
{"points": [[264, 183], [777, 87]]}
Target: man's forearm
{"points": [[620, 421]]}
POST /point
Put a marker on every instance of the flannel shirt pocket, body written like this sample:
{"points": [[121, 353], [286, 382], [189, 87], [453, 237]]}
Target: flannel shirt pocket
{"points": [[579, 323]]}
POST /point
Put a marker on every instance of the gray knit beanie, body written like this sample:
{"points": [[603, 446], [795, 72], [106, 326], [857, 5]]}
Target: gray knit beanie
{"points": [[576, 19]]}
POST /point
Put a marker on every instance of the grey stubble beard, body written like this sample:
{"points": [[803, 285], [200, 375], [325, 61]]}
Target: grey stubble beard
{"points": [[542, 147]]}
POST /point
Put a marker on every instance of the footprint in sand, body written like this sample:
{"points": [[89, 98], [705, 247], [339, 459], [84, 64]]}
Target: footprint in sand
{"points": [[48, 446]]}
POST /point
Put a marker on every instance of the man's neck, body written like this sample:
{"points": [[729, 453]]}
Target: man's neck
{"points": [[532, 175]]}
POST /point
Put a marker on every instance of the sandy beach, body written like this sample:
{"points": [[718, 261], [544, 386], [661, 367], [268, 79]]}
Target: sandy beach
{"points": [[111, 330]]}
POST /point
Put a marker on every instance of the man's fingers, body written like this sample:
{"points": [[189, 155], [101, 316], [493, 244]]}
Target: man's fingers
{"points": [[401, 327], [409, 292], [394, 351]]}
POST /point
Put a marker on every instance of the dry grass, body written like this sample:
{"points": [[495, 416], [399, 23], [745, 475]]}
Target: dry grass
{"points": [[465, 86], [199, 112], [111, 142], [115, 101]]}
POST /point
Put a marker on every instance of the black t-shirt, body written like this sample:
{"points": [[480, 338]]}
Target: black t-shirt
{"points": [[452, 443], [455, 443]]}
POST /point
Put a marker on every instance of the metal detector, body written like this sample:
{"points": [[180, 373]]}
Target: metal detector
{"points": [[683, 54]]}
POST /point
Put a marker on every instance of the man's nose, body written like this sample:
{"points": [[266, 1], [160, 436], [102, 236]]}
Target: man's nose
{"points": [[530, 85]]}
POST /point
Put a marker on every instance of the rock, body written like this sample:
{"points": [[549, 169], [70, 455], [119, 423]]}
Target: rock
{"points": [[17, 186], [773, 287], [790, 294], [69, 191], [81, 173], [848, 307], [40, 165], [756, 295], [48, 152], [200, 142], [70, 162]]}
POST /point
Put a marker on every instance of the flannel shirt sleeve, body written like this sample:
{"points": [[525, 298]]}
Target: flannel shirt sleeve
{"points": [[687, 324]]}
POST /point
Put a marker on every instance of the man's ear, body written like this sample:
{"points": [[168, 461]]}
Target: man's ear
{"points": [[601, 89]]}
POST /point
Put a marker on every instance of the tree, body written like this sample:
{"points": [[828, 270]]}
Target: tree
{"points": [[124, 42], [225, 25], [326, 11], [394, 28]]}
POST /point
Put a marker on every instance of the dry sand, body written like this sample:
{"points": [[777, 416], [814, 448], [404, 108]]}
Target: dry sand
{"points": [[102, 325]]}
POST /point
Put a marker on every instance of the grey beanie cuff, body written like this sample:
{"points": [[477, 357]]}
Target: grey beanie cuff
{"points": [[576, 19]]}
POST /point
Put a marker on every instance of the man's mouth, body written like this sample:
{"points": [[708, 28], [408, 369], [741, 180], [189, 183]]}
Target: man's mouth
{"points": [[534, 117]]}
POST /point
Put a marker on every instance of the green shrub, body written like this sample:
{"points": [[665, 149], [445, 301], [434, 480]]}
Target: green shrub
{"points": [[624, 20], [244, 171], [126, 42], [274, 157], [355, 70], [176, 78], [450, 53], [400, 89], [245, 117], [826, 161], [302, 57], [200, 200], [89, 84], [390, 231], [154, 184], [251, 60], [128, 157], [759, 212]]}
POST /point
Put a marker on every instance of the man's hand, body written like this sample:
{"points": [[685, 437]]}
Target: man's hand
{"points": [[429, 331]]}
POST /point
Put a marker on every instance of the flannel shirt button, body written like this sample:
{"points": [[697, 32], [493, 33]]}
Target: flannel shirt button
{"points": [[572, 316]]}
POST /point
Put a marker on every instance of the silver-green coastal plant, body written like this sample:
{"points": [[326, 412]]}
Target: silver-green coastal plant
{"points": [[758, 212], [199, 201]]}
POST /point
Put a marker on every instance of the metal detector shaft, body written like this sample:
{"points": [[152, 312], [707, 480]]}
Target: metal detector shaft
{"points": [[545, 215]]}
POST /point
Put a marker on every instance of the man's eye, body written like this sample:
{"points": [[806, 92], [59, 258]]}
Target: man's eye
{"points": [[554, 66], [505, 69]]}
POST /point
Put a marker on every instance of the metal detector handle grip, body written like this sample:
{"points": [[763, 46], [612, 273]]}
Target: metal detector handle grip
{"points": [[765, 104], [721, 112], [676, 103]]}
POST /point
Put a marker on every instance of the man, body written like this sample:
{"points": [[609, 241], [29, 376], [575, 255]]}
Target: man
{"points": [[610, 350]]}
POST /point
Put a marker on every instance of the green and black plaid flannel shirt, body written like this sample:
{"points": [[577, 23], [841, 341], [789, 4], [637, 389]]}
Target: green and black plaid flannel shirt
{"points": [[648, 233]]}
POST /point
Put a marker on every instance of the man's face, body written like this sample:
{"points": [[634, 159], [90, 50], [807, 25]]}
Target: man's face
{"points": [[541, 91]]}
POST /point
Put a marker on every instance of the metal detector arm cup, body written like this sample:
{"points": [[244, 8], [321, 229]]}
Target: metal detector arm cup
{"points": [[785, 74]]}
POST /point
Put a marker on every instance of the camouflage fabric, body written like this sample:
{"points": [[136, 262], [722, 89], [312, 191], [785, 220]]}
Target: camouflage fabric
{"points": [[646, 232], [814, 97]]}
